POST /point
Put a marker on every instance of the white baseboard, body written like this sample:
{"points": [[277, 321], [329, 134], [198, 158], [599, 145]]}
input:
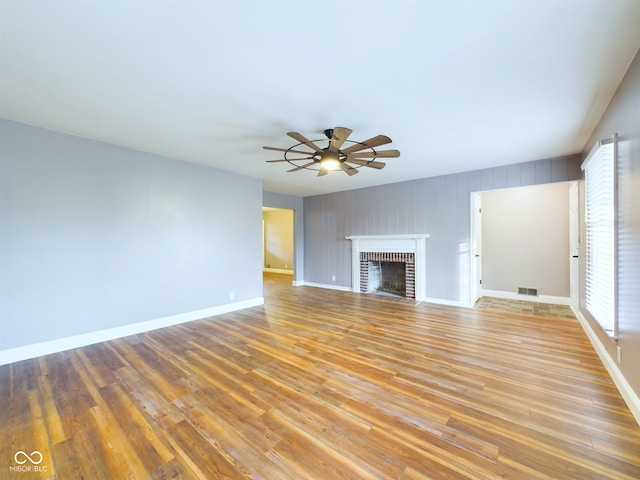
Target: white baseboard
{"points": [[527, 298], [54, 346], [631, 399], [324, 285], [298, 283], [278, 270]]}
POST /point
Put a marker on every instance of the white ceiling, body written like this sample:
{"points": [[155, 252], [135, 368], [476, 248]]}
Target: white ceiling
{"points": [[458, 85]]}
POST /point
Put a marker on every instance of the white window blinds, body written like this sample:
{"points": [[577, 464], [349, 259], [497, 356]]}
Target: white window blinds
{"points": [[601, 236]]}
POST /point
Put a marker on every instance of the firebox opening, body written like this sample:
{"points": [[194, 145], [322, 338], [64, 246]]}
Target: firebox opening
{"points": [[388, 277]]}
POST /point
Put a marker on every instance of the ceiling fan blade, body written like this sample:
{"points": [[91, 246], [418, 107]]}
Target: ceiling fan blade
{"points": [[340, 134], [301, 167], [305, 140], [366, 163], [287, 150], [288, 160], [372, 142], [348, 169], [323, 172], [380, 154]]}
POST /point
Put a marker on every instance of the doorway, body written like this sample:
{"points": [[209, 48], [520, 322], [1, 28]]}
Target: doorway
{"points": [[278, 240], [525, 237]]}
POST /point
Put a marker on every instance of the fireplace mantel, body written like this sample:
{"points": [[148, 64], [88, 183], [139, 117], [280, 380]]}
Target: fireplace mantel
{"points": [[411, 243]]}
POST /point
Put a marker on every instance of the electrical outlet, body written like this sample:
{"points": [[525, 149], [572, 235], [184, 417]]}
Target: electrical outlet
{"points": [[286, 266], [232, 295], [619, 352], [333, 278]]}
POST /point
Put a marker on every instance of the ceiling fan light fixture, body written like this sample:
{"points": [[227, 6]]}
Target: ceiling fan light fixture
{"points": [[328, 160], [330, 163]]}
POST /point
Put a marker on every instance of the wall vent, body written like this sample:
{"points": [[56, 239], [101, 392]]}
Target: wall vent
{"points": [[527, 291]]}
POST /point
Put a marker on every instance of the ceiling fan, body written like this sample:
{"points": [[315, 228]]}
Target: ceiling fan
{"points": [[333, 156]]}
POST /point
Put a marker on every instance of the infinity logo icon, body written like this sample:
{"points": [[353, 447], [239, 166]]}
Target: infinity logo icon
{"points": [[28, 458]]}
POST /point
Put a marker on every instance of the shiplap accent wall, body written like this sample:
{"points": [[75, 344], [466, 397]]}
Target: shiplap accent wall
{"points": [[439, 206]]}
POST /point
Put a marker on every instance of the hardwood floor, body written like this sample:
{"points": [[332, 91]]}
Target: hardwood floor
{"points": [[323, 384]]}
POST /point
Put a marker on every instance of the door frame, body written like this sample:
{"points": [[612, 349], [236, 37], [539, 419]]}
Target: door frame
{"points": [[475, 273], [574, 243], [475, 276]]}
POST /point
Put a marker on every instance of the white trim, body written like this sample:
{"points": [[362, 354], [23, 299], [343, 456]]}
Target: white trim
{"points": [[324, 285], [629, 396], [527, 298], [278, 270], [59, 345], [298, 283]]}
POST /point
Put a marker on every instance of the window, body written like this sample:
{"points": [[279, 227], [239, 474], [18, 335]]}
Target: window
{"points": [[601, 236]]}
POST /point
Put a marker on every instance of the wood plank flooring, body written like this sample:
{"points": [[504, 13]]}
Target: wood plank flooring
{"points": [[321, 384]]}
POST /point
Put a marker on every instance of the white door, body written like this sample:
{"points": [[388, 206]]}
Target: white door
{"points": [[574, 242], [476, 244]]}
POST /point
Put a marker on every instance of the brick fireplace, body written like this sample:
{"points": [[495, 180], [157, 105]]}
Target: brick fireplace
{"points": [[406, 249], [377, 258]]}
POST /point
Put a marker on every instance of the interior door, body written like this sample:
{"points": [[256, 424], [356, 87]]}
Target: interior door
{"points": [[476, 246], [574, 242]]}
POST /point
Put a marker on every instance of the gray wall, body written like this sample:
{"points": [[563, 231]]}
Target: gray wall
{"points": [[438, 206], [623, 117], [93, 236], [525, 239], [278, 200]]}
